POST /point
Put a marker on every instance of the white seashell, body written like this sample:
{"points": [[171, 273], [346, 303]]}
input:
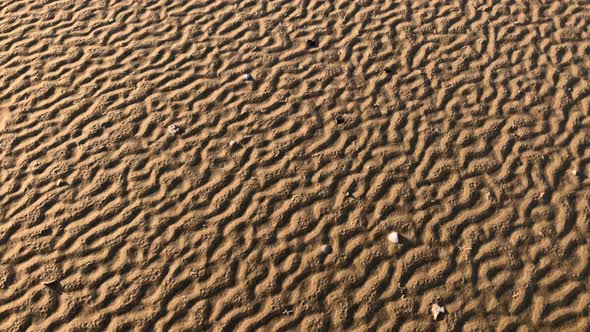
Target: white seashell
{"points": [[436, 311], [174, 129], [393, 237]]}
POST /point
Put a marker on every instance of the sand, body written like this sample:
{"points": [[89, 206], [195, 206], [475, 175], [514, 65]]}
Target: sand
{"points": [[147, 183]]}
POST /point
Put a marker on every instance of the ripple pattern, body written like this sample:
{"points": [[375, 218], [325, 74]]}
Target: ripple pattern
{"points": [[146, 185]]}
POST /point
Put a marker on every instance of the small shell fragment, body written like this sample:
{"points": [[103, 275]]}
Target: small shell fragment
{"points": [[436, 310], [173, 129], [248, 77], [326, 249], [54, 285], [234, 145], [393, 237]]}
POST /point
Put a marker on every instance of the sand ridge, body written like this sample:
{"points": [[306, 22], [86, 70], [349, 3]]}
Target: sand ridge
{"points": [[147, 185]]}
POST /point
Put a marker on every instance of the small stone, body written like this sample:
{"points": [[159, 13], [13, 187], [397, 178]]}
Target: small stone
{"points": [[61, 183], [339, 119], [311, 43], [248, 77], [393, 237], [326, 249], [575, 172], [436, 311]]}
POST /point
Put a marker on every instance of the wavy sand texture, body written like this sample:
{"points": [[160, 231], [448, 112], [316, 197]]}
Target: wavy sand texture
{"points": [[145, 185]]}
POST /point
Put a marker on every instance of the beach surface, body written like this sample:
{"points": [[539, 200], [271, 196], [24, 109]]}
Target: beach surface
{"points": [[345, 165]]}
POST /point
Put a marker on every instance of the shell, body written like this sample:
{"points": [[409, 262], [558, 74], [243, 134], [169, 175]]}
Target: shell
{"points": [[436, 310], [174, 129], [393, 237]]}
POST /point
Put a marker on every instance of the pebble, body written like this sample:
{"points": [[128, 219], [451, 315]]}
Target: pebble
{"points": [[248, 77], [326, 249], [393, 237], [311, 43], [61, 183]]}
